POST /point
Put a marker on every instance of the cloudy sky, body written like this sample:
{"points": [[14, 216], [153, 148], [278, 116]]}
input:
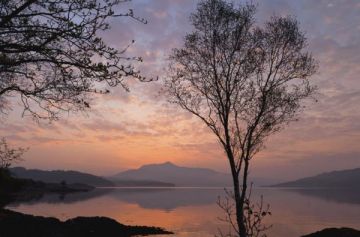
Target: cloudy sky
{"points": [[126, 130]]}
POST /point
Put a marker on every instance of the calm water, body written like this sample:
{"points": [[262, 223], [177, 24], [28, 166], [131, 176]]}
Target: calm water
{"points": [[193, 211]]}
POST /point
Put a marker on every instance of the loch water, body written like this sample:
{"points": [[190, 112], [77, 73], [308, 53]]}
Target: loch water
{"points": [[190, 211]]}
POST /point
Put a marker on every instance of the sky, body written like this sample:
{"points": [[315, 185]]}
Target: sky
{"points": [[128, 129]]}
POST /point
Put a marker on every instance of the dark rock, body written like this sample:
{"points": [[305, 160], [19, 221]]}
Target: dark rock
{"points": [[14, 224], [335, 232]]}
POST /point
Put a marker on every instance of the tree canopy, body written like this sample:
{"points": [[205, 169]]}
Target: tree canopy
{"points": [[9, 155], [52, 57], [245, 81]]}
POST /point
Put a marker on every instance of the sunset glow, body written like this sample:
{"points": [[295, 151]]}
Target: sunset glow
{"points": [[126, 130]]}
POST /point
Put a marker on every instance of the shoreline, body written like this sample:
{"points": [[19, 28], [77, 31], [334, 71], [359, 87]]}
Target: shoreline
{"points": [[79, 226]]}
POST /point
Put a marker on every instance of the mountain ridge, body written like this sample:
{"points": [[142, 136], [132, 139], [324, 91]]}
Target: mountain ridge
{"points": [[57, 176], [180, 176], [348, 178], [169, 172]]}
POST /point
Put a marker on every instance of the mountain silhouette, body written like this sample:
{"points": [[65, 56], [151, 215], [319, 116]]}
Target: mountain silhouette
{"points": [[139, 183], [335, 179], [57, 176], [180, 176]]}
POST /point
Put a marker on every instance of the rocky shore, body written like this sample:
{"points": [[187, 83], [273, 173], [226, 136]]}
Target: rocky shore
{"points": [[15, 224], [335, 232]]}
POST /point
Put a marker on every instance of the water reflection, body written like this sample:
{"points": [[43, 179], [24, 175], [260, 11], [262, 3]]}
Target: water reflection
{"points": [[167, 199], [350, 196], [61, 198], [171, 198], [193, 212]]}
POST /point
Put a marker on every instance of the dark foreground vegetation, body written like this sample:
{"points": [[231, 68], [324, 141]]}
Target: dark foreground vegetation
{"points": [[335, 232], [38, 226]]}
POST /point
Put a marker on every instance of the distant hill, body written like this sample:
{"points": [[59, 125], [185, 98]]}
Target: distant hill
{"points": [[334, 179], [180, 176], [139, 183], [57, 176]]}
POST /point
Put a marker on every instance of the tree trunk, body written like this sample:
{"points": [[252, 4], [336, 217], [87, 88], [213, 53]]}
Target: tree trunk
{"points": [[239, 195], [239, 203], [243, 196]]}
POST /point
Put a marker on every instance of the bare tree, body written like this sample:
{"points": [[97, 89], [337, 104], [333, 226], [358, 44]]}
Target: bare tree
{"points": [[52, 57], [244, 81], [8, 155]]}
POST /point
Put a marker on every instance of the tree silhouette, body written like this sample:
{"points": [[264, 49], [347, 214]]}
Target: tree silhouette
{"points": [[52, 57], [244, 81], [9, 155]]}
